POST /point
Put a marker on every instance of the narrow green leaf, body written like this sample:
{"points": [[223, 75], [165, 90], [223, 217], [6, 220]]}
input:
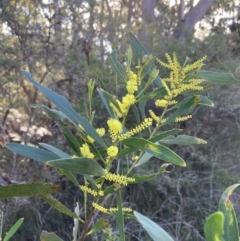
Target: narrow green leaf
{"points": [[106, 103], [99, 225], [213, 228], [117, 66], [55, 150], [164, 135], [230, 221], [74, 144], [32, 152], [139, 52], [183, 140], [46, 236], [70, 176], [79, 165], [27, 190], [183, 110], [153, 229], [136, 114], [146, 178], [13, 229], [54, 114], [217, 78], [205, 101], [165, 154], [125, 151], [157, 93], [119, 216], [58, 206], [65, 107], [156, 150]]}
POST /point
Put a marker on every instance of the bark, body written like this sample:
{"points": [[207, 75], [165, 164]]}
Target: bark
{"points": [[148, 17], [195, 14]]}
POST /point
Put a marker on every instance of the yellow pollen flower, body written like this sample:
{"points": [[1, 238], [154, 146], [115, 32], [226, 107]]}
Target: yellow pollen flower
{"points": [[183, 118], [100, 131], [85, 151], [121, 179], [161, 103], [99, 207], [112, 151], [115, 127], [91, 191]]}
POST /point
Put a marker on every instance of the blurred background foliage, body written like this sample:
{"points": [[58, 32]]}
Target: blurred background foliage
{"points": [[64, 44]]}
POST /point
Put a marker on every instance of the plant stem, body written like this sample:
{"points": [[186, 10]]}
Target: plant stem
{"points": [[120, 220]]}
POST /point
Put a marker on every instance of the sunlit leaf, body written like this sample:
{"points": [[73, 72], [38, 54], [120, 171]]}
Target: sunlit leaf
{"points": [[230, 221], [213, 228], [27, 190]]}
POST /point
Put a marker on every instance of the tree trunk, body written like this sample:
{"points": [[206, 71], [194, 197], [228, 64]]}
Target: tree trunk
{"points": [[148, 17], [187, 23]]}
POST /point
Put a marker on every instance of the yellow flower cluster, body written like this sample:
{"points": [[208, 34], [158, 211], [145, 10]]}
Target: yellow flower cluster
{"points": [[121, 179], [132, 83], [127, 101], [91, 191], [183, 118], [178, 81], [85, 151], [146, 123], [112, 151], [115, 128]]}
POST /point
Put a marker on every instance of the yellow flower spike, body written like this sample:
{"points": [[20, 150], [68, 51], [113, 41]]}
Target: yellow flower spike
{"points": [[89, 190], [112, 151], [85, 151], [121, 179], [146, 123], [99, 207], [154, 116], [183, 118]]}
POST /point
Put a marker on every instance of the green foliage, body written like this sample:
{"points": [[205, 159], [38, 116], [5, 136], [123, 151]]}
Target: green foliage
{"points": [[94, 153]]}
